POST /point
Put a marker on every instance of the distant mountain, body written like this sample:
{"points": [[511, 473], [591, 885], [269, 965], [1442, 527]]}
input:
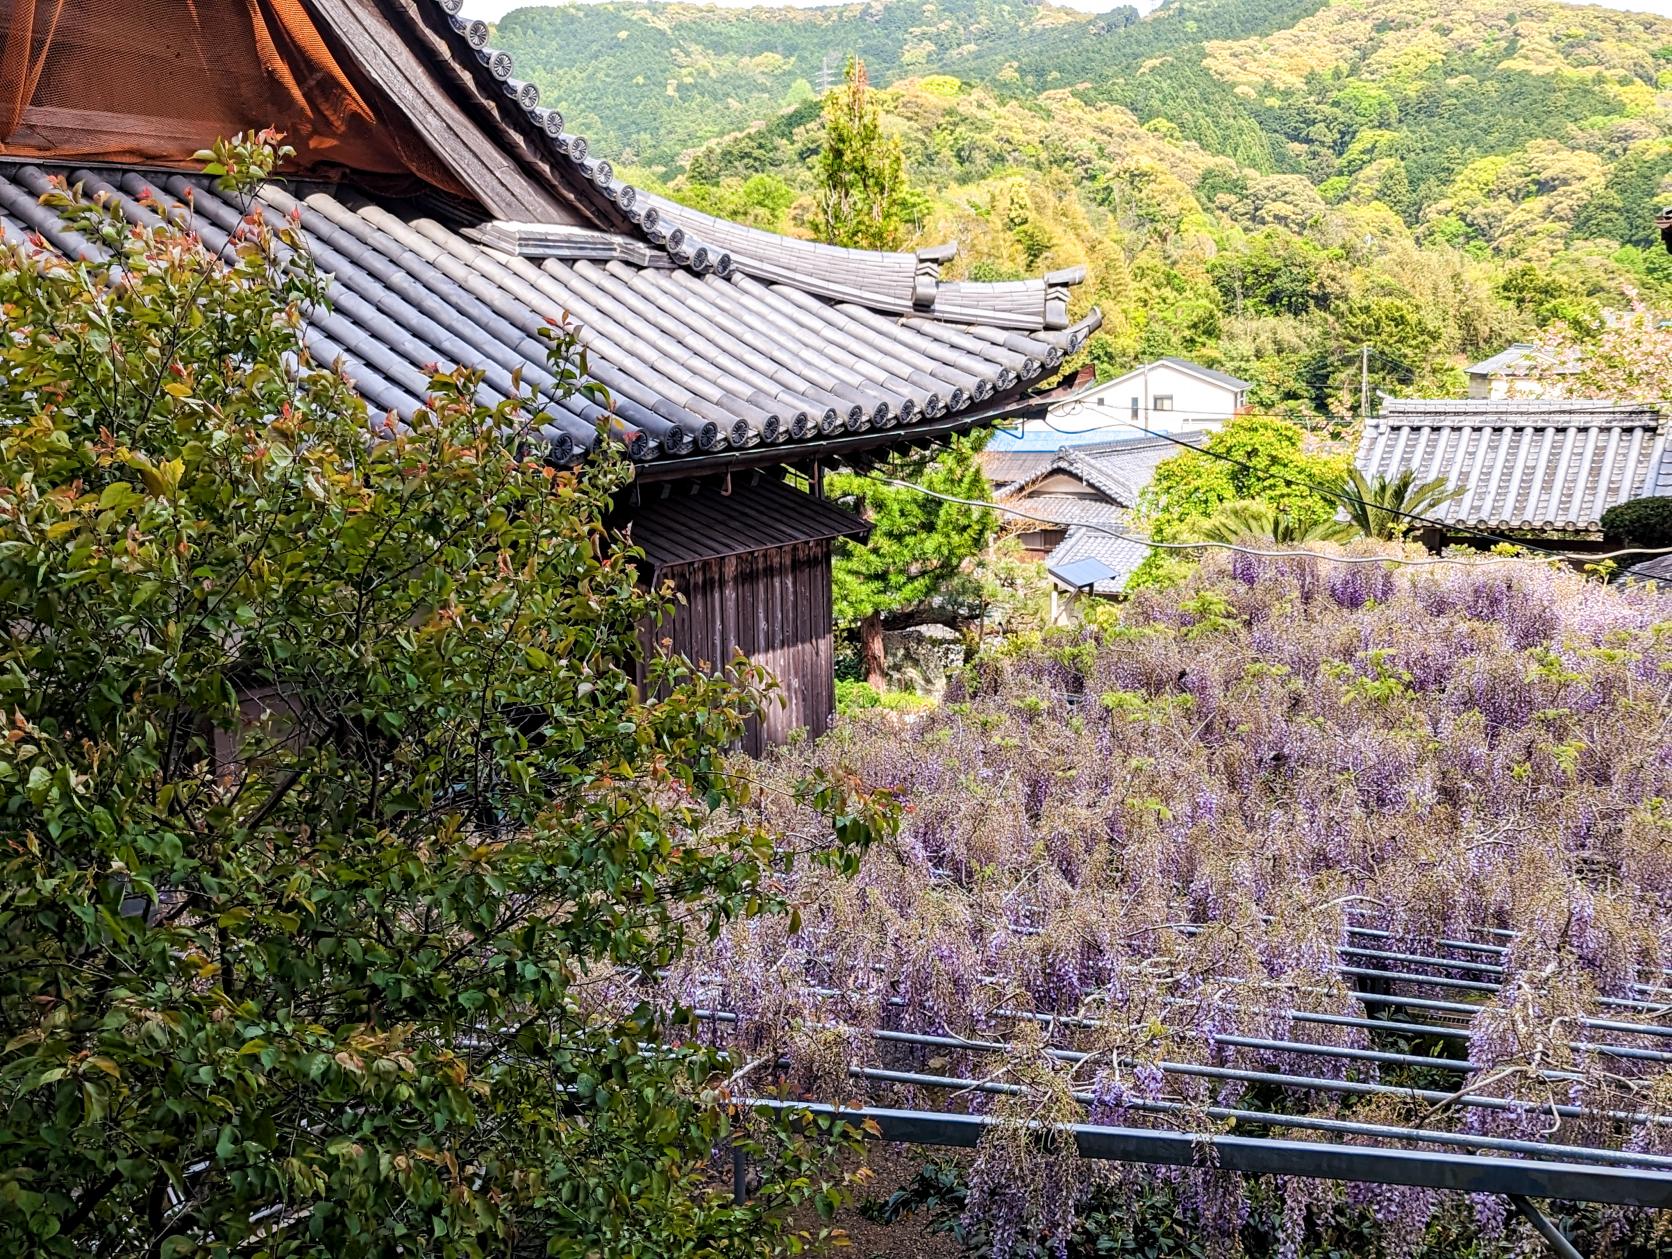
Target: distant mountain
{"points": [[1264, 185], [648, 81], [1305, 85]]}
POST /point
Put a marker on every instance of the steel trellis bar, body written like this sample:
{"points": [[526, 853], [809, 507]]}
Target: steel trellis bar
{"points": [[1262, 1156], [1303, 1123]]}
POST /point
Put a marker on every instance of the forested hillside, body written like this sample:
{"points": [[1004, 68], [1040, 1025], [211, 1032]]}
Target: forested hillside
{"points": [[1263, 184], [650, 80], [647, 81]]}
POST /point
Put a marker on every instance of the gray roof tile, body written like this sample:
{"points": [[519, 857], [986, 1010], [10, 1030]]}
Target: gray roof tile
{"points": [[691, 362], [1118, 470], [1207, 373], [1534, 465], [1122, 555]]}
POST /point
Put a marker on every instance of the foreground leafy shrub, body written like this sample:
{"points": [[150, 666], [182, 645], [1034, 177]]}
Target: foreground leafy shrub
{"points": [[906, 702], [1138, 850], [330, 805], [852, 696]]}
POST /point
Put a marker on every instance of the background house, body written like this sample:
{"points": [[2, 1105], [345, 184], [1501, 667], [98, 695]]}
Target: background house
{"points": [[1525, 466], [1521, 371], [1170, 395], [1090, 562], [1094, 484], [1076, 504]]}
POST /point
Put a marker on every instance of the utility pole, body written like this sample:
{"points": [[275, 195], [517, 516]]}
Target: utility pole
{"points": [[1364, 383]]}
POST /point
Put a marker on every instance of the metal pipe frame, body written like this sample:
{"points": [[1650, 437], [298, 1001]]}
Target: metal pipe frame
{"points": [[1298, 1123], [1385, 1025], [1316, 1084], [1264, 1156]]}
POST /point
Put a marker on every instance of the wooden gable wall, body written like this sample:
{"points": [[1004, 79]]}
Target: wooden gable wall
{"points": [[774, 607], [750, 559]]}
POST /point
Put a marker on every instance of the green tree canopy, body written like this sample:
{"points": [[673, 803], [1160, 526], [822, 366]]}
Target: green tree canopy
{"points": [[859, 179], [1253, 457], [918, 545], [1279, 274], [338, 835]]}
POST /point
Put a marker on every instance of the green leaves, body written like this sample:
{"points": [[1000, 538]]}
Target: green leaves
{"points": [[859, 174], [918, 545], [329, 804]]}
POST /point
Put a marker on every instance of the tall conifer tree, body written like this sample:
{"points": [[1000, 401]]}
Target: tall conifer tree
{"points": [[859, 175]]}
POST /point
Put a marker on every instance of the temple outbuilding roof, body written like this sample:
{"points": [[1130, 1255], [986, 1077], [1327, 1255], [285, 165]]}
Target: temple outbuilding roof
{"points": [[1530, 465], [693, 364], [716, 344]]}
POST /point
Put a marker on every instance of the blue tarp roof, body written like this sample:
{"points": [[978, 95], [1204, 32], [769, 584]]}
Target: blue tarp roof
{"points": [[1082, 573], [1049, 439]]}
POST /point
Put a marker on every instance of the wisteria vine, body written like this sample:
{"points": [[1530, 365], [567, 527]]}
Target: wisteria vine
{"points": [[1205, 839]]}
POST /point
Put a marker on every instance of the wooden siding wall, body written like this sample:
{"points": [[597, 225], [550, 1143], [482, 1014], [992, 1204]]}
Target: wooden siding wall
{"points": [[774, 606]]}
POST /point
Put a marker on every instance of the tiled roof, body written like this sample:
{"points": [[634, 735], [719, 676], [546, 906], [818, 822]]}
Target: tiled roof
{"points": [[1068, 509], [1122, 555], [1521, 359], [694, 363], [1657, 570], [685, 524], [898, 283], [1523, 464], [1118, 469], [1006, 467], [1207, 373]]}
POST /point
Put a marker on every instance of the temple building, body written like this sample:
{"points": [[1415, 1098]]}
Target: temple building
{"points": [[457, 215]]}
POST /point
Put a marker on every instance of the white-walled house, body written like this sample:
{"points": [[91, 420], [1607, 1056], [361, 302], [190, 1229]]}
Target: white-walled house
{"points": [[1170, 395]]}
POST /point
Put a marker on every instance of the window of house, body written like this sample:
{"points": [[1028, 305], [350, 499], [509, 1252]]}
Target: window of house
{"points": [[1041, 540], [1163, 402], [1134, 406]]}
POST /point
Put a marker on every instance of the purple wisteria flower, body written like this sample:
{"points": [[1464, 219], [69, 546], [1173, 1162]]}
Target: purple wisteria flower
{"points": [[1285, 798]]}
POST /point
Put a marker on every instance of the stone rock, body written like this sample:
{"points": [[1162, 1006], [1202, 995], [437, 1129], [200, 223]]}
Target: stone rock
{"points": [[920, 659]]}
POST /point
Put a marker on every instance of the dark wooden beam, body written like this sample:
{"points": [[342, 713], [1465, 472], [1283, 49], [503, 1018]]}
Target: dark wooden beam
{"points": [[479, 161]]}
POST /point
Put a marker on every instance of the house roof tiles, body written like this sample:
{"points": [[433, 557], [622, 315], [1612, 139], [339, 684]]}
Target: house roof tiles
{"points": [[1069, 509], [686, 526], [692, 363], [1122, 555], [701, 351], [1657, 570], [1521, 360], [1119, 470], [1207, 373], [1534, 465]]}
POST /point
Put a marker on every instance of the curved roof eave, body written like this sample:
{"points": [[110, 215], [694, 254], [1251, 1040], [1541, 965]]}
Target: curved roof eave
{"points": [[895, 282]]}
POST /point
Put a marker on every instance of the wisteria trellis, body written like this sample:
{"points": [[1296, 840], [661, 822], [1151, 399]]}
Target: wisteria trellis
{"points": [[1219, 842]]}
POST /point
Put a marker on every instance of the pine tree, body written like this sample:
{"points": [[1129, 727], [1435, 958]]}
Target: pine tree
{"points": [[859, 175], [917, 547]]}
